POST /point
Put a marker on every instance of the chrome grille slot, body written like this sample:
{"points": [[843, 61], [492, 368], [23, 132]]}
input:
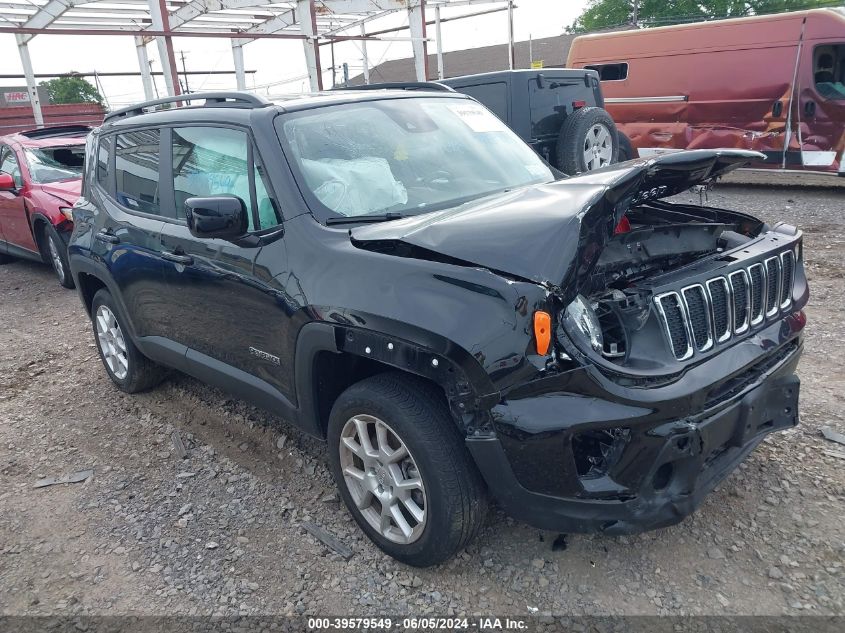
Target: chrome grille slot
{"points": [[787, 266], [703, 315], [675, 324], [741, 300], [772, 285], [720, 306], [695, 301], [758, 291]]}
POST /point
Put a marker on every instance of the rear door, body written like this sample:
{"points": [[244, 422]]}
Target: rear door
{"points": [[127, 230], [13, 219], [223, 306]]}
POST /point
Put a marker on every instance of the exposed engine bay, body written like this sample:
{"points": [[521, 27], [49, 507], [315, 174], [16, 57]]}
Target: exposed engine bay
{"points": [[649, 274]]}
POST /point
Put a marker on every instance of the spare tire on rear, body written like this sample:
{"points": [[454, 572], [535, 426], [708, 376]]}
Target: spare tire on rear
{"points": [[588, 140]]}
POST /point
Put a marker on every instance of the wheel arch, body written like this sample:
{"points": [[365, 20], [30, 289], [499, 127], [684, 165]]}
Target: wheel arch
{"points": [[331, 357]]}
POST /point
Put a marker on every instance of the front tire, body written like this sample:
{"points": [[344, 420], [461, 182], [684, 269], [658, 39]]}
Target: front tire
{"points": [[403, 470], [127, 367], [55, 249]]}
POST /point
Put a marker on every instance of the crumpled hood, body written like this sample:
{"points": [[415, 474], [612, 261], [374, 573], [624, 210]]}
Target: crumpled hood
{"points": [[553, 233], [66, 190]]}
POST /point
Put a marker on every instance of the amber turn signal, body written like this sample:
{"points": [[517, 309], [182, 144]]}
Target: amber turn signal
{"points": [[542, 331]]}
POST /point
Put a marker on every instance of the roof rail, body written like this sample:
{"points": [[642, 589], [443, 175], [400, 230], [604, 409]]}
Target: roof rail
{"points": [[211, 99], [56, 131], [401, 85]]}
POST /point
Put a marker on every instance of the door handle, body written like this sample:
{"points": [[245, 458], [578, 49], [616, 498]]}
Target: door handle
{"points": [[106, 236], [178, 258], [810, 108]]}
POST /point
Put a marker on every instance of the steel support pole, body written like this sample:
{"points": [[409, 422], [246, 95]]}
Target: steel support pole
{"points": [[416, 22], [306, 14], [161, 22], [366, 58], [439, 42], [144, 65], [238, 56], [31, 86], [511, 53]]}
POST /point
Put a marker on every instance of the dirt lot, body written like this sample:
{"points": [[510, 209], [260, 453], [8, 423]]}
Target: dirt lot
{"points": [[219, 531]]}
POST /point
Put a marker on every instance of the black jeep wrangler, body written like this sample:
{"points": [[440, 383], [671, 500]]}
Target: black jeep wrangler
{"points": [[558, 111], [397, 273]]}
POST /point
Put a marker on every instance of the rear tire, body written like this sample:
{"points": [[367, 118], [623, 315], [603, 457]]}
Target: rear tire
{"points": [[588, 140], [413, 447], [6, 259], [55, 253], [626, 150], [127, 367]]}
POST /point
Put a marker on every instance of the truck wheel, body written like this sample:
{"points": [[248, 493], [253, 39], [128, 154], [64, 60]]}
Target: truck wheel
{"points": [[128, 368], [403, 469], [626, 150], [56, 250], [588, 140]]}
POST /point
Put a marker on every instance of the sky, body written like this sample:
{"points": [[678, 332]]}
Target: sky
{"points": [[274, 60]]}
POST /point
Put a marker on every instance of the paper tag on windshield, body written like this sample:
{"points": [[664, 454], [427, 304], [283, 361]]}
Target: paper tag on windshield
{"points": [[477, 118]]}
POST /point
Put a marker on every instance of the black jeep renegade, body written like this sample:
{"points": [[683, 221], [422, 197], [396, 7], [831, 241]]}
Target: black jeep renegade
{"points": [[397, 273]]}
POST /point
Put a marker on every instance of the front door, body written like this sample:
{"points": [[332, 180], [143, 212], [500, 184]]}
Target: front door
{"points": [[820, 110], [13, 219], [222, 305]]}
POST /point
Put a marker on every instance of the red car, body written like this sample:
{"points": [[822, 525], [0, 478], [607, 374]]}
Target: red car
{"points": [[40, 180]]}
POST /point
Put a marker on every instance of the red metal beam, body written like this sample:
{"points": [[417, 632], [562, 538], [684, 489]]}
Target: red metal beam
{"points": [[168, 45], [315, 45]]}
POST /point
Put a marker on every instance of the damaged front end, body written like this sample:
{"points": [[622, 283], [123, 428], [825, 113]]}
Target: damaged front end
{"points": [[677, 332]]}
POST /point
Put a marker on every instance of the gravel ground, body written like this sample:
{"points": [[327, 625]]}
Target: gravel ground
{"points": [[219, 531]]}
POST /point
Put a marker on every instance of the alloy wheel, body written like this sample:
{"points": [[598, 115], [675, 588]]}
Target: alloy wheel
{"points": [[112, 342], [598, 147], [56, 258], [383, 479]]}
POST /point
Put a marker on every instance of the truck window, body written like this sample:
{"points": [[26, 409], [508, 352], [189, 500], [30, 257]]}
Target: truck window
{"points": [[829, 71], [610, 72], [494, 96]]}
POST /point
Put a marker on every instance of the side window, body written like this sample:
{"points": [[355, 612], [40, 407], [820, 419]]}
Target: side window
{"points": [[210, 161], [610, 72], [136, 170], [9, 164], [829, 71], [103, 150]]}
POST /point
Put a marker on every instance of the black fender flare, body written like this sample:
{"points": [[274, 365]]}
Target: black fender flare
{"points": [[86, 265], [466, 385]]}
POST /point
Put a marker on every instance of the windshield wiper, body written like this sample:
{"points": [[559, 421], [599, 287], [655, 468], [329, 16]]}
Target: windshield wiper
{"points": [[354, 219]]}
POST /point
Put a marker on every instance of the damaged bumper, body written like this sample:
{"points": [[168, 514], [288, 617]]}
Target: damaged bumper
{"points": [[563, 461]]}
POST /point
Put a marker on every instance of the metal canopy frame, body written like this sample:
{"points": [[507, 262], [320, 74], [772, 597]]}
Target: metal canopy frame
{"points": [[314, 22]]}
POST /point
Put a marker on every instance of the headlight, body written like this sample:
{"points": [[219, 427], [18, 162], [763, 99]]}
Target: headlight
{"points": [[67, 212], [581, 319]]}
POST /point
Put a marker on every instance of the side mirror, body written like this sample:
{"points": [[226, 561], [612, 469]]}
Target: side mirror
{"points": [[7, 182], [217, 216]]}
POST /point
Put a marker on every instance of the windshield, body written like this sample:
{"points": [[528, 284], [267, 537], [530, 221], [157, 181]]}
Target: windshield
{"points": [[405, 156], [51, 164]]}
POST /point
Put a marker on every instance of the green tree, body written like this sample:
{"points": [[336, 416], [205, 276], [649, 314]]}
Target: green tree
{"points": [[72, 89], [603, 14]]}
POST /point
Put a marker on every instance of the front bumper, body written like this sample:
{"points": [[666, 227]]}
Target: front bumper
{"points": [[657, 474]]}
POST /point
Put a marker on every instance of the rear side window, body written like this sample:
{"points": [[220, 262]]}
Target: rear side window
{"points": [[211, 161], [494, 96], [136, 170], [610, 72], [103, 150]]}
